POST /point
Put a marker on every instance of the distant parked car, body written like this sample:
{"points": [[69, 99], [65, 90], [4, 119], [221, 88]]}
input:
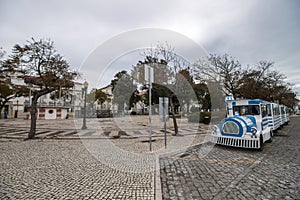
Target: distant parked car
{"points": [[103, 113], [298, 112]]}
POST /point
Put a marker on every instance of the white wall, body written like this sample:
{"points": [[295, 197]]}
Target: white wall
{"points": [[50, 115]]}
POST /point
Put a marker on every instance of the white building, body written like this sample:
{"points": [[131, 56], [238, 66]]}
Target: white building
{"points": [[49, 107], [107, 105]]}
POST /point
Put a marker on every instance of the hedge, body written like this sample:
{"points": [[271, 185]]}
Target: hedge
{"points": [[199, 117]]}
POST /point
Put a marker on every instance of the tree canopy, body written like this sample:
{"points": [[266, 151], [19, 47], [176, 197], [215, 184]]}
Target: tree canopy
{"points": [[254, 82], [123, 89], [8, 88], [172, 78], [97, 95], [41, 66]]}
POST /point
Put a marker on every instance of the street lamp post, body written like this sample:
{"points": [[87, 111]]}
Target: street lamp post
{"points": [[149, 77], [84, 89]]}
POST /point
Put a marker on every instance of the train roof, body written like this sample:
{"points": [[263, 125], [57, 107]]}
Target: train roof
{"points": [[230, 99], [250, 101]]}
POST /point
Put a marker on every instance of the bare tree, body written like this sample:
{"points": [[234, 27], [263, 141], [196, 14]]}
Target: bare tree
{"points": [[169, 71], [255, 82], [225, 70], [262, 82]]}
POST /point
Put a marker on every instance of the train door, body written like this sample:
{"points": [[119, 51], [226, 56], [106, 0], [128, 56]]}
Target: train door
{"points": [[264, 116]]}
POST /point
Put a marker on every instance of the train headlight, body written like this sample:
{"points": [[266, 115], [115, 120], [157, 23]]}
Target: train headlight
{"points": [[214, 129], [253, 131]]}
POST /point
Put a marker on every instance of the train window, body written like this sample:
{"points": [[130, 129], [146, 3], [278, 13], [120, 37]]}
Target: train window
{"points": [[282, 110], [269, 111], [246, 110], [275, 109], [264, 110]]}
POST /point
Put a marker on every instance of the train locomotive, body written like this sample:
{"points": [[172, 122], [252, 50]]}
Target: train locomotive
{"points": [[249, 123]]}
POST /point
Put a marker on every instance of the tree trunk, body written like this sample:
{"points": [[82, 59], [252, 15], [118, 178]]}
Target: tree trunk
{"points": [[33, 115], [173, 116], [33, 110]]}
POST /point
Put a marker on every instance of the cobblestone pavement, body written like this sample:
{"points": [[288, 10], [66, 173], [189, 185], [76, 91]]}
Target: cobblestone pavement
{"points": [[235, 173], [97, 128], [55, 169], [106, 161]]}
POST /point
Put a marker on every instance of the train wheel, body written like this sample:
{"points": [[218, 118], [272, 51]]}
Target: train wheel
{"points": [[271, 135]]}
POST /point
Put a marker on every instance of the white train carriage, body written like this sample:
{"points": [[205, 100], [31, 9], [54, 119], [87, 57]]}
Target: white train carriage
{"points": [[277, 116], [284, 115], [274, 116], [246, 125]]}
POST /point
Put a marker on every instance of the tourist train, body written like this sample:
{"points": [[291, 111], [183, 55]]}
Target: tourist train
{"points": [[249, 123]]}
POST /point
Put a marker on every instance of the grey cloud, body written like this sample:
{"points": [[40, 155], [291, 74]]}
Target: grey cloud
{"points": [[248, 30]]}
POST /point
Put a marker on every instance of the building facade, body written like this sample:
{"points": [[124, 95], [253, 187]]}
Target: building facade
{"points": [[50, 106]]}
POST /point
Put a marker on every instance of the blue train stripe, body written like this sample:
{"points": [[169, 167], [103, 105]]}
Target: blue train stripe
{"points": [[254, 102]]}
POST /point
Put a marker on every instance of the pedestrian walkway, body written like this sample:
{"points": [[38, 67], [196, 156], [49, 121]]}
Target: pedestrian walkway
{"points": [[65, 169]]}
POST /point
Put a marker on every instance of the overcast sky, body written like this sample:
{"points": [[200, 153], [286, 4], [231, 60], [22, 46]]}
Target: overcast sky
{"points": [[248, 30]]}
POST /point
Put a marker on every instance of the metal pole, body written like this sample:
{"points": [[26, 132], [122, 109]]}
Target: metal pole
{"points": [[150, 109], [165, 119], [84, 111], [30, 97]]}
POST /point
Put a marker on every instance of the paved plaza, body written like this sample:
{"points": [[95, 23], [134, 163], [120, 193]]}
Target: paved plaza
{"points": [[111, 160]]}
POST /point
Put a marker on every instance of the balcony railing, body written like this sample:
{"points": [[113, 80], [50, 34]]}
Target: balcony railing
{"points": [[51, 104]]}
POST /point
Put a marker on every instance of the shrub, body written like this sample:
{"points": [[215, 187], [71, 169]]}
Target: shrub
{"points": [[199, 117], [194, 117], [133, 113], [194, 109]]}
